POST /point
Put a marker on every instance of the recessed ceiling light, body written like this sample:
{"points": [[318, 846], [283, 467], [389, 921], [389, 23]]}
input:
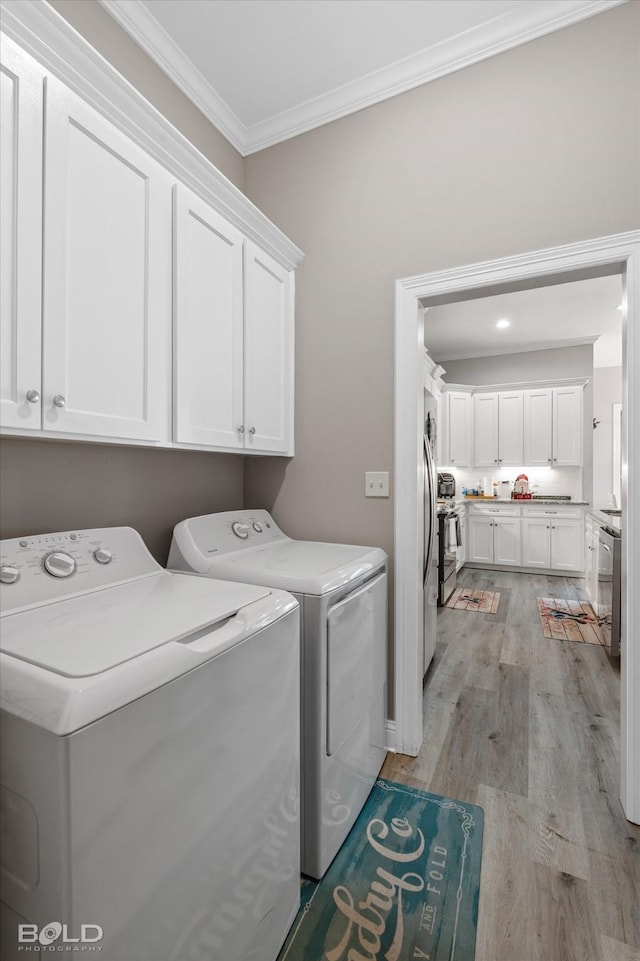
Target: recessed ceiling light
{"points": [[503, 323]]}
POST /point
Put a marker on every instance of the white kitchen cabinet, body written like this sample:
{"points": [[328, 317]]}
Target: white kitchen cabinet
{"points": [[552, 538], [567, 426], [268, 353], [485, 430], [459, 413], [510, 428], [498, 429], [494, 536], [22, 85], [107, 278], [538, 433], [208, 326]]}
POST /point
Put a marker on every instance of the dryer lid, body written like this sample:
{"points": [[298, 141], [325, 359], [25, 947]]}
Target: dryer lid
{"points": [[304, 567], [89, 635]]}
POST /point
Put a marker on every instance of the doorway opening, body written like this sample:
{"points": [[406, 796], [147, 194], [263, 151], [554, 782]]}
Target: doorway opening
{"points": [[601, 257]]}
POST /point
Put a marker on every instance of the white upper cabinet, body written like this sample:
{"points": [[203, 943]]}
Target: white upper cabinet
{"points": [[107, 278], [485, 430], [510, 429], [498, 429], [538, 405], [21, 91], [459, 412], [208, 318], [567, 426], [268, 353]]}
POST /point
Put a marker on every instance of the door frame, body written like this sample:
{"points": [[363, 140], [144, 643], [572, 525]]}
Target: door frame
{"points": [[619, 253]]}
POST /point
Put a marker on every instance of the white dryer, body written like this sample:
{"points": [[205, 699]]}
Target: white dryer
{"points": [[150, 755], [342, 591]]}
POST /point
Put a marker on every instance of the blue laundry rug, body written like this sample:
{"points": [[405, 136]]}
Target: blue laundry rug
{"points": [[403, 887]]}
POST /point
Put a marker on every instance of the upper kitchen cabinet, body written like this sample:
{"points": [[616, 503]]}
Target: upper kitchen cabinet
{"points": [[458, 429], [22, 82], [538, 420], [498, 429], [553, 426], [233, 336], [567, 426], [268, 353], [107, 278], [208, 318], [127, 316]]}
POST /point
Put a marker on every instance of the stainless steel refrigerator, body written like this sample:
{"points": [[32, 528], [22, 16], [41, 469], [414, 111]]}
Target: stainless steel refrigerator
{"points": [[430, 550]]}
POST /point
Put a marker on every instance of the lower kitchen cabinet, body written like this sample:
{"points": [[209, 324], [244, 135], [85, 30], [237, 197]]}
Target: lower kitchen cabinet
{"points": [[553, 542], [494, 539]]}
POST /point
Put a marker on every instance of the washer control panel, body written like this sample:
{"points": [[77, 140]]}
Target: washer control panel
{"points": [[47, 567]]}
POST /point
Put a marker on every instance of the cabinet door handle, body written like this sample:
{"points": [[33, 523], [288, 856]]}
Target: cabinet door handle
{"points": [[548, 460], [33, 396], [495, 460], [59, 400], [241, 429], [252, 430]]}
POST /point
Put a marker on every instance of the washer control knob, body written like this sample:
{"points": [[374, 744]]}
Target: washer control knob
{"points": [[9, 574], [240, 530], [103, 556], [59, 564], [257, 526]]}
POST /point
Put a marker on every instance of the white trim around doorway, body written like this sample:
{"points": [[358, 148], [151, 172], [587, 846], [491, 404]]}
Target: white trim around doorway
{"points": [[621, 252]]}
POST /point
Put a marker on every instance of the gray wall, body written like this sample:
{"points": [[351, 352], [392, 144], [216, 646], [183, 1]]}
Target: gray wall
{"points": [[94, 23], [532, 148], [607, 390], [57, 486], [560, 362]]}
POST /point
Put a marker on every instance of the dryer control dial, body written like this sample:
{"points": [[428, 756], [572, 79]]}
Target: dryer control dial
{"points": [[9, 574], [59, 564], [257, 526], [240, 529], [103, 556]]}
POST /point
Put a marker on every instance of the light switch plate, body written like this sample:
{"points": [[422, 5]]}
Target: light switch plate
{"points": [[376, 483]]}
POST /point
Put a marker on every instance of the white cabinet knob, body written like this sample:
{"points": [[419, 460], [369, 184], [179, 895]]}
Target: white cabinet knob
{"points": [[33, 396], [59, 400], [252, 430]]}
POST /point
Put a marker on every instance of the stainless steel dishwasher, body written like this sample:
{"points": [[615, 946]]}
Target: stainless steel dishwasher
{"points": [[609, 594]]}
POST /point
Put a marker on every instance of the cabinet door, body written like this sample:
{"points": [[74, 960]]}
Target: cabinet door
{"points": [[21, 91], [567, 545], [506, 540], [536, 542], [485, 430], [268, 353], [208, 325], [480, 539], [459, 428], [107, 278], [538, 406], [510, 429], [567, 426]]}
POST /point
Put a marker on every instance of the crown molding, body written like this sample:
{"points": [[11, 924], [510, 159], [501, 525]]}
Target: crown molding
{"points": [[479, 43], [143, 27], [52, 41], [518, 349]]}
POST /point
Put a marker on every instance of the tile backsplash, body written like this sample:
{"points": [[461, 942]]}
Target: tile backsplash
{"points": [[551, 481]]}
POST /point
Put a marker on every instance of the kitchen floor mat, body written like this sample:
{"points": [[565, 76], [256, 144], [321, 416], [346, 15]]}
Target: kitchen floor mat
{"points": [[466, 599], [569, 620]]}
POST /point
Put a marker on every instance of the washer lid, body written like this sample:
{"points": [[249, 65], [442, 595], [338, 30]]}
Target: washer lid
{"points": [[304, 567], [91, 634]]}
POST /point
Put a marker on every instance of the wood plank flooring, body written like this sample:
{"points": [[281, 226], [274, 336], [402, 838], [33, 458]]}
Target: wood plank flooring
{"points": [[528, 728]]}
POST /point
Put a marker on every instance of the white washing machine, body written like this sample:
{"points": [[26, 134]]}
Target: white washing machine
{"points": [[342, 591], [150, 756]]}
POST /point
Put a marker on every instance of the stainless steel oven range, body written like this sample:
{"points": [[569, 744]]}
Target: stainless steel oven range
{"points": [[449, 539]]}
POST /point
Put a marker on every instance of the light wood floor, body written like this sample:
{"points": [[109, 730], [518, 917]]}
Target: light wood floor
{"points": [[528, 728]]}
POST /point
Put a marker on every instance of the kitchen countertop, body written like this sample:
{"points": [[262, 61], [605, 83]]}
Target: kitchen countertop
{"points": [[526, 502], [606, 520]]}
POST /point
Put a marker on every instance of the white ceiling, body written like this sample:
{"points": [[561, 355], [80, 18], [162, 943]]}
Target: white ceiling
{"points": [[565, 314], [265, 70]]}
